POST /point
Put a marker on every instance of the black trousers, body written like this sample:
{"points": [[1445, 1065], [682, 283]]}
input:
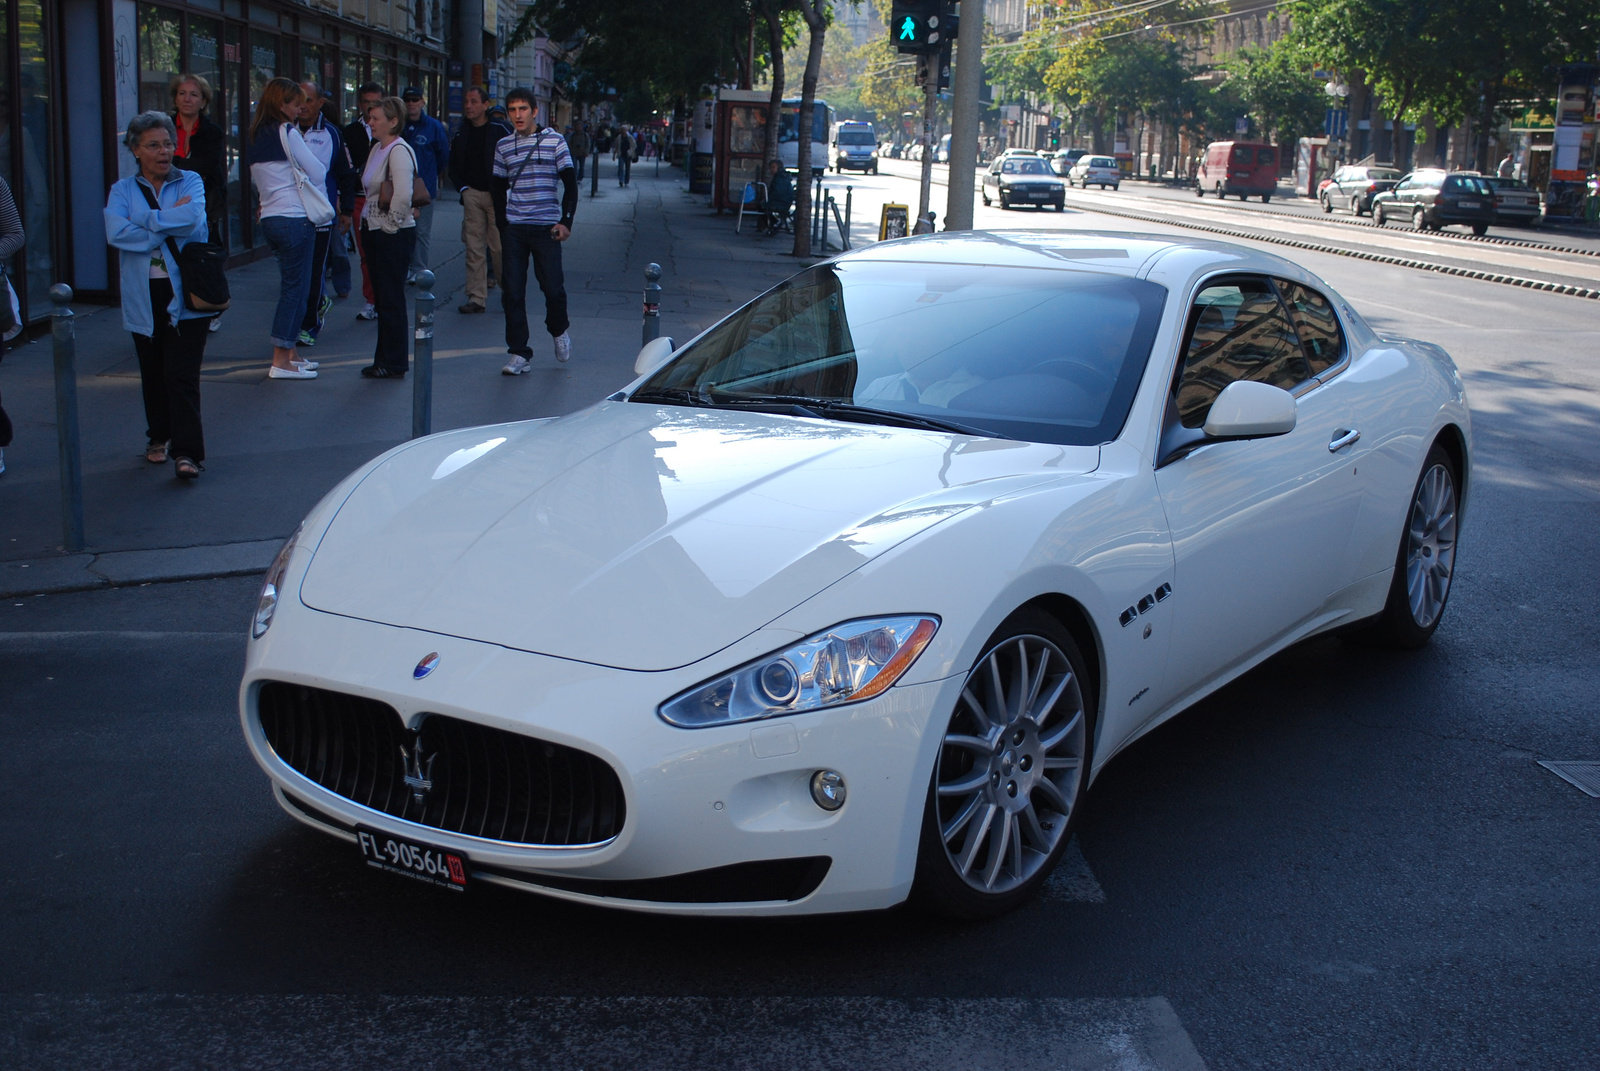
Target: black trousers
{"points": [[520, 242], [319, 268], [169, 374], [387, 256]]}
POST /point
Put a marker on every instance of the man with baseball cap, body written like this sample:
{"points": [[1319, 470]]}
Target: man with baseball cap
{"points": [[431, 142]]}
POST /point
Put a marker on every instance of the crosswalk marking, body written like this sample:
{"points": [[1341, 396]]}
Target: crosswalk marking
{"points": [[1072, 880]]}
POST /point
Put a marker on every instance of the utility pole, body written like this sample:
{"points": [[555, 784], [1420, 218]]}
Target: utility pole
{"points": [[964, 117]]}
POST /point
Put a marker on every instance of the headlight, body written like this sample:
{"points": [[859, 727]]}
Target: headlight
{"points": [[846, 664], [267, 605]]}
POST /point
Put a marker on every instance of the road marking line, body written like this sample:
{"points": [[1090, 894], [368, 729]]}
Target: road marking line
{"points": [[1072, 881]]}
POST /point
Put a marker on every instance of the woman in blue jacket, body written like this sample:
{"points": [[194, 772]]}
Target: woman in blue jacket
{"points": [[169, 338]]}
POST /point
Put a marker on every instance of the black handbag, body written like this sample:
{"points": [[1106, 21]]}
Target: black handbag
{"points": [[200, 269]]}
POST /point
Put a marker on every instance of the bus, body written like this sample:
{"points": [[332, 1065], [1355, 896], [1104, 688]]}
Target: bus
{"points": [[789, 136]]}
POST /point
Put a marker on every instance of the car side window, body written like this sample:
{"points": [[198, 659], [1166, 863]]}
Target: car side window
{"points": [[1317, 324], [1237, 330]]}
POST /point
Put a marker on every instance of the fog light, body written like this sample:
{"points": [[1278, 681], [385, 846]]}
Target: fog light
{"points": [[827, 788]]}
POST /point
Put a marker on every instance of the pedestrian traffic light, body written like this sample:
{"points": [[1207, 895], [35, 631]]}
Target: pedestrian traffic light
{"points": [[918, 26]]}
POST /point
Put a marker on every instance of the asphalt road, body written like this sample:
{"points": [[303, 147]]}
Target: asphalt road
{"points": [[1347, 859]]}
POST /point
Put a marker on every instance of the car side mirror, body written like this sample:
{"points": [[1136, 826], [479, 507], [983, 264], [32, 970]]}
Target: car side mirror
{"points": [[653, 355], [1250, 410]]}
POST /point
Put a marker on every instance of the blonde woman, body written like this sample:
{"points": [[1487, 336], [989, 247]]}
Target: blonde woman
{"points": [[292, 236], [388, 233]]}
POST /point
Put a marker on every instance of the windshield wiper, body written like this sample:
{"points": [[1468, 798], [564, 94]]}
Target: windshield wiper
{"points": [[860, 414], [672, 396]]}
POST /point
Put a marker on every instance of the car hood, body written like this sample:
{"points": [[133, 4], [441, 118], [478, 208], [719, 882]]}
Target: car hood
{"points": [[645, 537]]}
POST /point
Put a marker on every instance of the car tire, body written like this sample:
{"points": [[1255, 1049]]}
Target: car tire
{"points": [[1199, 190], [1266, 197], [1425, 564], [1379, 216], [1480, 229], [1327, 206], [1358, 208], [1009, 780], [1061, 206], [1419, 220], [985, 196], [1005, 205]]}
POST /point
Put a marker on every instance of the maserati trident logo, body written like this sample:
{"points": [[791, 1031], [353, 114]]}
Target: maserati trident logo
{"points": [[419, 771], [426, 666]]}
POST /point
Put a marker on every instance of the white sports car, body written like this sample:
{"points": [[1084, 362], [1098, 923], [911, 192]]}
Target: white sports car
{"points": [[848, 599]]}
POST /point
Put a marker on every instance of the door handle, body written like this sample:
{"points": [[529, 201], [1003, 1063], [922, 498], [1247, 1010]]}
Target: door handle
{"points": [[1342, 438]]}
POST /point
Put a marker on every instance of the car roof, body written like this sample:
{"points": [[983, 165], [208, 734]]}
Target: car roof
{"points": [[1110, 252]]}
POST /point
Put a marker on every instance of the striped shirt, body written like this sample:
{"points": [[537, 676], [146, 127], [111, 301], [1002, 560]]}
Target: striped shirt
{"points": [[532, 164]]}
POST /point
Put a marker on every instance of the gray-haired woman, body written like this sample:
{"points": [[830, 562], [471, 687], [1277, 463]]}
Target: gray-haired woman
{"points": [[157, 205]]}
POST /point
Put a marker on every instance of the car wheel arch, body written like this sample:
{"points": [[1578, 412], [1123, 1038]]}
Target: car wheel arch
{"points": [[1453, 442], [1075, 618]]}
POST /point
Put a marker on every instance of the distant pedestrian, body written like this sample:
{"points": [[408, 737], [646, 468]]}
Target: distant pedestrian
{"points": [[578, 146], [472, 170], [202, 149], [149, 216], [389, 229], [536, 195], [601, 145], [358, 142], [624, 149], [322, 137], [1507, 168], [338, 249], [276, 153], [11, 241], [431, 143]]}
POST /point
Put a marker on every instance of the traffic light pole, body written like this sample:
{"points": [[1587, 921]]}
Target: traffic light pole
{"points": [[928, 68]]}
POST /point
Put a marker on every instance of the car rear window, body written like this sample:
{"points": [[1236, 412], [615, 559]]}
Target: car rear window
{"points": [[1101, 161], [1467, 184], [1266, 156], [1023, 353]]}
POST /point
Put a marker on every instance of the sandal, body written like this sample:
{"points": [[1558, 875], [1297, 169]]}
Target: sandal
{"points": [[187, 468], [155, 453]]}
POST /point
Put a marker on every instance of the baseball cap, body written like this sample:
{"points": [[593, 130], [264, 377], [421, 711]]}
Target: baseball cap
{"points": [[411, 93]]}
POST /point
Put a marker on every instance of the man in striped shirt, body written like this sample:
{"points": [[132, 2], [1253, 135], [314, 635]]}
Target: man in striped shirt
{"points": [[535, 195]]}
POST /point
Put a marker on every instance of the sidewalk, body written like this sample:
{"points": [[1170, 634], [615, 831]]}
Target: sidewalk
{"points": [[274, 447]]}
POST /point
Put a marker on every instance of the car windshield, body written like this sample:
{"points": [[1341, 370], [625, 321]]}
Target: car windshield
{"points": [[1382, 174], [1033, 166], [1044, 355], [855, 137]]}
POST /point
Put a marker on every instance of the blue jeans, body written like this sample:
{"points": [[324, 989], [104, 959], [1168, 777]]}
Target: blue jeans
{"points": [[624, 168], [519, 242], [293, 239], [339, 263]]}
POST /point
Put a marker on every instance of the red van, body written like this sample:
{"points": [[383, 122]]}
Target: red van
{"points": [[1247, 168]]}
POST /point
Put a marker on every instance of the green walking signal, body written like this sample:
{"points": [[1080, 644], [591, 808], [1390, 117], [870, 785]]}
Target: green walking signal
{"points": [[918, 26]]}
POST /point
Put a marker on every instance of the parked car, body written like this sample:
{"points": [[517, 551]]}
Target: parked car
{"points": [[941, 151], [1433, 198], [851, 597], [1246, 168], [1023, 180], [914, 151], [1354, 186], [1063, 160], [1514, 201], [1090, 170], [855, 146]]}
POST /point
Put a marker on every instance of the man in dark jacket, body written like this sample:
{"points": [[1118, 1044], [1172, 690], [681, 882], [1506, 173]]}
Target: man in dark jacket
{"points": [[323, 139], [358, 143], [431, 142], [472, 170]]}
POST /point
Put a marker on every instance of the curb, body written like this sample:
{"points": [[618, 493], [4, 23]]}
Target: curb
{"points": [[125, 568], [1379, 258]]}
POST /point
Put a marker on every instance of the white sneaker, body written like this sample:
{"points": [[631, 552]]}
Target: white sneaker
{"points": [[369, 312], [216, 324], [291, 373], [516, 366], [309, 366], [564, 347]]}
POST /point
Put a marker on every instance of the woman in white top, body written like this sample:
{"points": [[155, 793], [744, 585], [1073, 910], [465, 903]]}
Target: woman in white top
{"points": [[276, 151], [388, 231]]}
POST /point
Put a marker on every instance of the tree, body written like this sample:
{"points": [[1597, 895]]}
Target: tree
{"points": [[1276, 86], [817, 14]]}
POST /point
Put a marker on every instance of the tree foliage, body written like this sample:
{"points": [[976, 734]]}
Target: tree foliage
{"points": [[1277, 87]]}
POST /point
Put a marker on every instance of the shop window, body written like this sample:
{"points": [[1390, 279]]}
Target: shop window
{"points": [[30, 158], [160, 56]]}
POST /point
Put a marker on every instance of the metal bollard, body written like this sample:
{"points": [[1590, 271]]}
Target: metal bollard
{"points": [[63, 334], [848, 191], [422, 359], [652, 303]]}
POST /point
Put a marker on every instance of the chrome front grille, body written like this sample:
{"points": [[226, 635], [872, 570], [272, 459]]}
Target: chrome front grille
{"points": [[464, 777]]}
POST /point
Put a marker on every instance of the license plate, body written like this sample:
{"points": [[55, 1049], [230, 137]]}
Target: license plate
{"points": [[1040, 195], [424, 862], [1470, 204]]}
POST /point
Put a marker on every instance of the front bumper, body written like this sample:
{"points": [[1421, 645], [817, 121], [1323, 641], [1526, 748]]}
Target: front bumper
{"points": [[697, 801]]}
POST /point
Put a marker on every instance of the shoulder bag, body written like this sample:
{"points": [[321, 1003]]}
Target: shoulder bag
{"points": [[200, 268], [419, 189], [312, 197]]}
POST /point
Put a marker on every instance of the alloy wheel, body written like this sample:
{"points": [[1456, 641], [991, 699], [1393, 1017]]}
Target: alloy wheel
{"points": [[1011, 764], [1431, 545]]}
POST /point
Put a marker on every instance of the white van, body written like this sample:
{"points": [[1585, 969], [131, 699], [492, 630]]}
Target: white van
{"points": [[855, 145]]}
